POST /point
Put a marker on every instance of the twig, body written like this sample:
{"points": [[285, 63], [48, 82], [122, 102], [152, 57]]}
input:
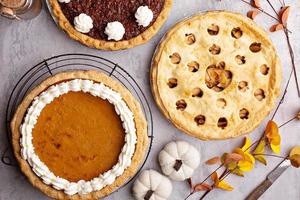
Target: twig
{"points": [[271, 5], [290, 49], [261, 10], [292, 56], [284, 93], [266, 13], [281, 3], [223, 175], [287, 122], [193, 191]]}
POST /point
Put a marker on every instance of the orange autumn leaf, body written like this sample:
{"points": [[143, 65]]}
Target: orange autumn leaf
{"points": [[202, 187], [284, 14], [256, 3], [260, 149], [252, 14], [276, 27], [273, 136], [220, 184], [213, 160]]}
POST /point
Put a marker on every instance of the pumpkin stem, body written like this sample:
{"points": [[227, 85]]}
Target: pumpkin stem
{"points": [[177, 165], [148, 195]]}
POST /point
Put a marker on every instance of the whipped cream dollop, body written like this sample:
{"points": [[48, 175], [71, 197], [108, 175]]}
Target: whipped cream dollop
{"points": [[83, 23], [64, 1], [40, 169], [114, 30], [144, 16]]}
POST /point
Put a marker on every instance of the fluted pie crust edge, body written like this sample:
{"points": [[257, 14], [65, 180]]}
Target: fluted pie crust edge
{"points": [[142, 38], [139, 119]]}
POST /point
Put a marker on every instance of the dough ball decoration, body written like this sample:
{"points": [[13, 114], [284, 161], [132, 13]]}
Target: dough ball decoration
{"points": [[216, 75], [152, 185], [114, 30], [178, 160]]}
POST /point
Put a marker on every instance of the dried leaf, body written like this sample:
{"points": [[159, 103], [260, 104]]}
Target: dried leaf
{"points": [[224, 186], [220, 184], [232, 166], [295, 150], [202, 187], [295, 160], [214, 177], [273, 136], [276, 27], [260, 149], [248, 161], [252, 14], [284, 14], [256, 3], [232, 158], [294, 156], [213, 160], [247, 144], [238, 172]]}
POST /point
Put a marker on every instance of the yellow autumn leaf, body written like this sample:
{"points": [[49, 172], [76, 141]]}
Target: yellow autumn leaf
{"points": [[247, 163], [245, 166], [275, 148], [238, 172], [220, 184], [295, 156], [247, 144], [224, 186], [232, 166], [295, 150], [260, 149], [273, 136]]}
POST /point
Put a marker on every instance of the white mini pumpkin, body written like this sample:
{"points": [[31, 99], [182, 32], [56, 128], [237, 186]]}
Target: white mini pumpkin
{"points": [[178, 160], [151, 185]]}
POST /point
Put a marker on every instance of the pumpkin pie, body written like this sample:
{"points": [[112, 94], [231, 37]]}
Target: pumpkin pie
{"points": [[216, 75], [79, 135], [111, 24]]}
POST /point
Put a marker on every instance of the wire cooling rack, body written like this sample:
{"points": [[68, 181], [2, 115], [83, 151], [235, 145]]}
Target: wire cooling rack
{"points": [[65, 62]]}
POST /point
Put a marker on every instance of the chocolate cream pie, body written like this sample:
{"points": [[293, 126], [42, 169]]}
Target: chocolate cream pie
{"points": [[111, 24], [79, 135]]}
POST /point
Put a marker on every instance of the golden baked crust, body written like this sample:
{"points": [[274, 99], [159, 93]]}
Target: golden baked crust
{"points": [[110, 45], [249, 99], [141, 131]]}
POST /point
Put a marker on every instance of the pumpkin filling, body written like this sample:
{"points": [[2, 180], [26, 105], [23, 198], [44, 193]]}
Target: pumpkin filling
{"points": [[78, 136]]}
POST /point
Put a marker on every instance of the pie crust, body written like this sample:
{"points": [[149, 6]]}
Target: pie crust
{"points": [[110, 45], [232, 46], [140, 125]]}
